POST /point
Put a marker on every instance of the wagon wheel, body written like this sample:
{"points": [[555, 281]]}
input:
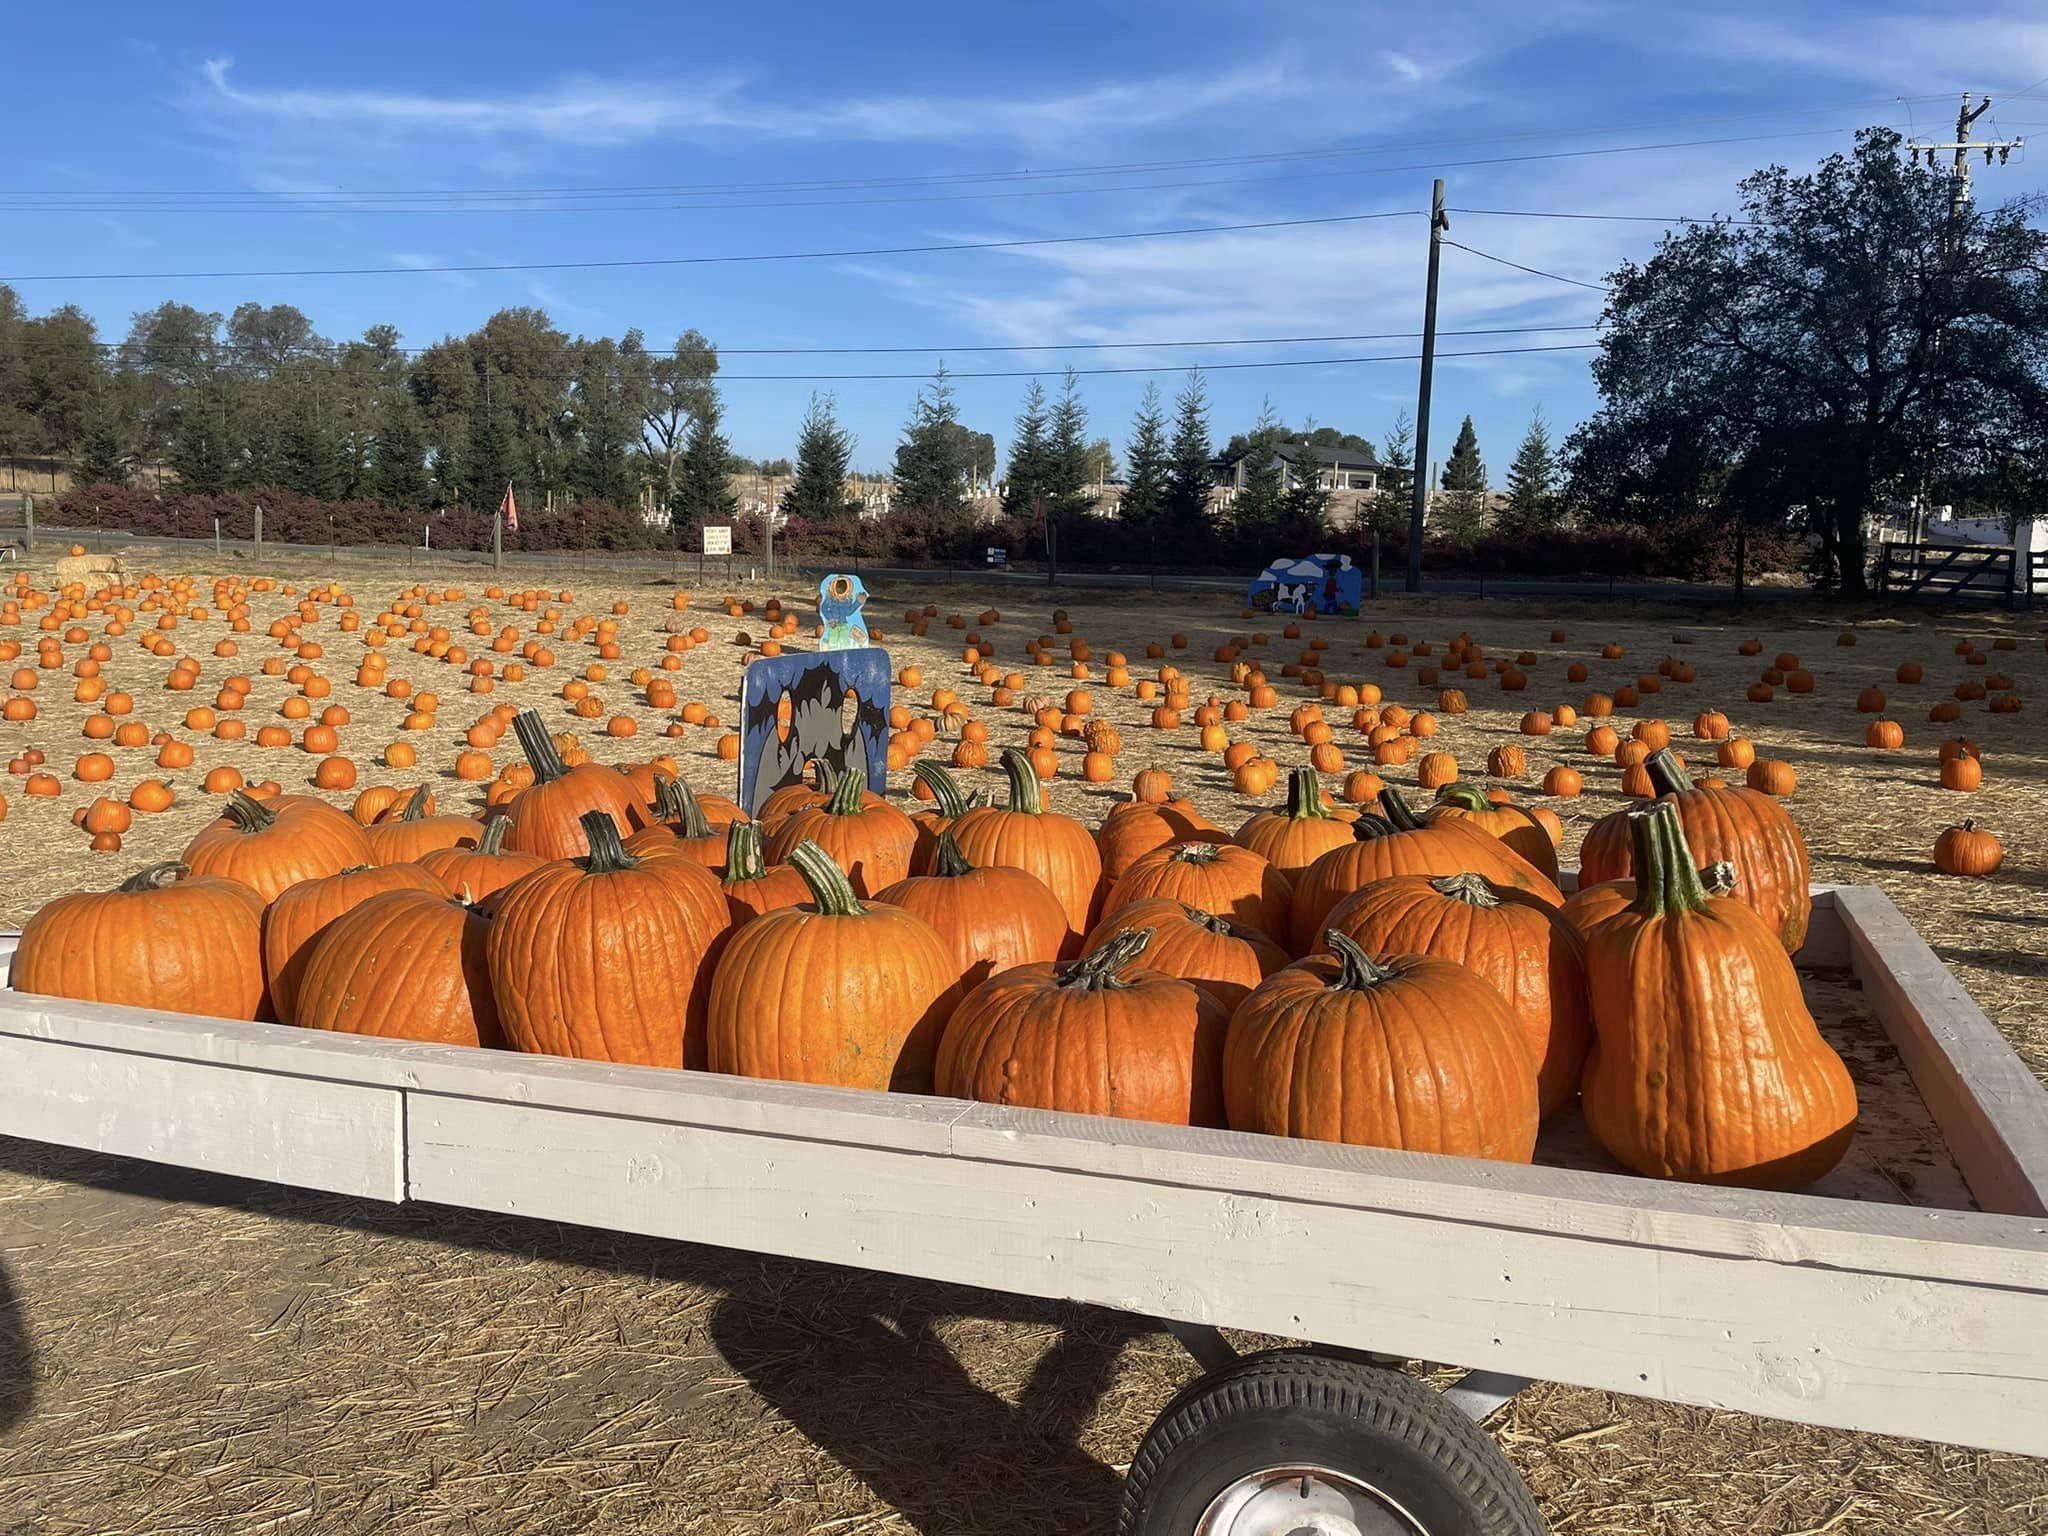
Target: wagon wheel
{"points": [[1295, 1443]]}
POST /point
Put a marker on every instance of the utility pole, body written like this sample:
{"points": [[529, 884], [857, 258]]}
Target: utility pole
{"points": [[1418, 513]]}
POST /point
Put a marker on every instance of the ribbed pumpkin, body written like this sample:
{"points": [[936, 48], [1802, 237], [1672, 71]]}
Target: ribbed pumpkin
{"points": [[165, 939], [1520, 944], [1223, 878], [1591, 905], [414, 833], [293, 921], [1133, 828], [870, 840], [751, 884], [1399, 844], [1093, 1036], [547, 816], [1514, 826], [1295, 836], [405, 965], [679, 826], [837, 991], [1027, 836], [1705, 1063], [1417, 1054], [475, 872], [1741, 826], [600, 956], [949, 804], [1223, 958], [271, 845], [992, 919]]}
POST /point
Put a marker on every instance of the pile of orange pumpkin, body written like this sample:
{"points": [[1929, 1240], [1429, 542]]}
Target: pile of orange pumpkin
{"points": [[1367, 975]]}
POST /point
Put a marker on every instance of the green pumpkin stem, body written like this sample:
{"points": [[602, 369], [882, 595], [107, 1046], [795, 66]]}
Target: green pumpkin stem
{"points": [[1466, 797], [1102, 969], [1469, 888], [1357, 971], [846, 795], [743, 859], [491, 841], [1667, 879], [415, 805], [676, 804], [158, 877], [1305, 796], [539, 747], [1209, 920], [1398, 816], [1195, 853], [831, 892], [1368, 827], [1667, 773], [945, 789], [608, 855], [947, 859], [248, 813], [1026, 793]]}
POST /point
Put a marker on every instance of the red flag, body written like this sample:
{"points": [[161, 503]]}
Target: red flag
{"points": [[509, 510]]}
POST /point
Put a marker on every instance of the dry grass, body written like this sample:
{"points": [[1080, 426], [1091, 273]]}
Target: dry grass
{"points": [[209, 1356]]}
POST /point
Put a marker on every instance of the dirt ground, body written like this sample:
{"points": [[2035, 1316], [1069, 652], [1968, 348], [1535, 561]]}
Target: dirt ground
{"points": [[182, 1353]]}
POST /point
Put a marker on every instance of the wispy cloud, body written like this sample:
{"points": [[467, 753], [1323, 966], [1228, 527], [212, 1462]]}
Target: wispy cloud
{"points": [[1911, 52], [421, 261]]}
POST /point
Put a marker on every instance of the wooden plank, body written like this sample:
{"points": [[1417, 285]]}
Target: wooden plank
{"points": [[1992, 1110], [1767, 1332], [305, 1131]]}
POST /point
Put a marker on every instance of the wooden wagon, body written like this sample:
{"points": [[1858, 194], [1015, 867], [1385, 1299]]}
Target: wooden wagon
{"points": [[1907, 1294]]}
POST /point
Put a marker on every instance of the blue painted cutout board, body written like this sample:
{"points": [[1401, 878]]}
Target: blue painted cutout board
{"points": [[816, 685]]}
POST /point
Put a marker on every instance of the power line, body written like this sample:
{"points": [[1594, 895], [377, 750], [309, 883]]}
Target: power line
{"points": [[1615, 218], [1532, 271], [696, 261], [1053, 373]]}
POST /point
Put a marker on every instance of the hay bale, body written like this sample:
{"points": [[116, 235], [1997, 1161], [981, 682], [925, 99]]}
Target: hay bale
{"points": [[91, 570]]}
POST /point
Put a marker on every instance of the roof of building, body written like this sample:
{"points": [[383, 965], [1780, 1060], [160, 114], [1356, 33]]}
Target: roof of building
{"points": [[1334, 458]]}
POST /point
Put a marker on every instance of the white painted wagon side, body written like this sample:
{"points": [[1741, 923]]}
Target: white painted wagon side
{"points": [[1888, 1318]]}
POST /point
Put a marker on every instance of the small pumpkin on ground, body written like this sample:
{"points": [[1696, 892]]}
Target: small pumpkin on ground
{"points": [[1968, 851], [405, 965], [1093, 1036]]}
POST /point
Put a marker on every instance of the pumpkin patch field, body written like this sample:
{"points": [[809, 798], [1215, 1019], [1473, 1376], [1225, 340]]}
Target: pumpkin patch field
{"points": [[1255, 852]]}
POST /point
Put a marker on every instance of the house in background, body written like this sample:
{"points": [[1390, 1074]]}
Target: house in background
{"points": [[1352, 478]]}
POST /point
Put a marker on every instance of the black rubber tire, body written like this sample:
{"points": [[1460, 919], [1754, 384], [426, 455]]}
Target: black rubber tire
{"points": [[1300, 1408]]}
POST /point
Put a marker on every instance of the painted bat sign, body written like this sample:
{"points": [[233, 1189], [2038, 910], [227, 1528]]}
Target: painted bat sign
{"points": [[831, 706]]}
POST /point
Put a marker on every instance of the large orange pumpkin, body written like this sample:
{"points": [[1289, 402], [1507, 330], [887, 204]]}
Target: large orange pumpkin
{"points": [[679, 825], [405, 965], [1295, 836], [475, 871], [1133, 828], [1223, 958], [868, 839], [1742, 827], [165, 939], [1513, 825], [1417, 1054], [1520, 944], [1094, 1036], [414, 833], [599, 956], [1026, 835], [271, 845], [293, 921], [1705, 1063], [949, 804], [1222, 878], [547, 816], [752, 885], [993, 919], [836, 991]]}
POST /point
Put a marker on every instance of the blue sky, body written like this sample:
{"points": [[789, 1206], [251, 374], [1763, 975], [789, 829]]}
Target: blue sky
{"points": [[128, 104]]}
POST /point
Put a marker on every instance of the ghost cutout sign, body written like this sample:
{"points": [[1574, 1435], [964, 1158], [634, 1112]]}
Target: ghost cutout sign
{"points": [[827, 707], [839, 601]]}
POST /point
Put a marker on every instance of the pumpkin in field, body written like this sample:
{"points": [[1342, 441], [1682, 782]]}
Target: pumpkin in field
{"points": [[1513, 825], [599, 956], [1026, 835], [1705, 1063], [1295, 836], [414, 832], [678, 825], [751, 884], [838, 991], [546, 816], [1742, 827], [1222, 878], [1093, 1036], [1133, 828], [271, 845], [1962, 772], [473, 871], [406, 965], [992, 919], [1401, 844], [1416, 1053], [1223, 958], [1523, 946], [165, 939], [299, 915], [1967, 851], [869, 840]]}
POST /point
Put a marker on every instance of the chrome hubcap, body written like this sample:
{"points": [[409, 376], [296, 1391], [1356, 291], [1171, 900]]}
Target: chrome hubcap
{"points": [[1304, 1501]]}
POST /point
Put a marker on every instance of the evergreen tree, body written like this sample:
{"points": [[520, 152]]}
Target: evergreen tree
{"points": [[704, 484], [611, 393], [1462, 507], [1031, 469], [101, 460], [824, 453], [1393, 502], [398, 475], [932, 458], [262, 459], [1145, 478], [311, 451], [1305, 508], [1257, 511], [1188, 479], [202, 449], [1532, 483], [488, 464], [1069, 492]]}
